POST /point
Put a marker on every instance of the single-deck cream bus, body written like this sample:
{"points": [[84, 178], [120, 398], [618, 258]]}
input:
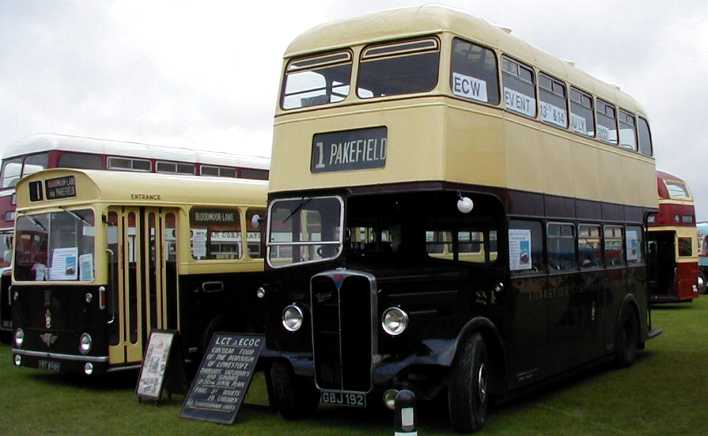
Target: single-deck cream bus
{"points": [[673, 243], [101, 258], [450, 211], [39, 152]]}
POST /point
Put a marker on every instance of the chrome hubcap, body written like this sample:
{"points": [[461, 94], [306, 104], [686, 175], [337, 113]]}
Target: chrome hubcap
{"points": [[482, 382]]}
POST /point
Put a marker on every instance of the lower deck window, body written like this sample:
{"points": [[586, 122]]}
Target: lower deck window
{"points": [[589, 246], [525, 246], [614, 252], [215, 233], [561, 247], [685, 247]]}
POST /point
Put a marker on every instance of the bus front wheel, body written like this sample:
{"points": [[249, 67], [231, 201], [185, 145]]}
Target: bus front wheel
{"points": [[627, 341], [293, 396], [468, 392]]}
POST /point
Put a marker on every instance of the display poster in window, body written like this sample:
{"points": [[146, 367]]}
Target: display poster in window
{"points": [[519, 102], [578, 123], [86, 267], [603, 132], [469, 87], [64, 264], [551, 113], [633, 247], [199, 243], [519, 249]]}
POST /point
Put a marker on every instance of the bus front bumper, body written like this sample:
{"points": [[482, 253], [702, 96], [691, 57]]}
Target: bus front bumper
{"points": [[58, 362]]}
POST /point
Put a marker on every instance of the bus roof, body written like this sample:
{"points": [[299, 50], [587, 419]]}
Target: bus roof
{"points": [[129, 188], [663, 175], [80, 144], [425, 20]]}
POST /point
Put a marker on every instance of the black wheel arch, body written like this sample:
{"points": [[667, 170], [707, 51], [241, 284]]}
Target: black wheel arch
{"points": [[496, 349]]}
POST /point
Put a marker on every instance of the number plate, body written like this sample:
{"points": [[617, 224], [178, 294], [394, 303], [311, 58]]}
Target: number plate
{"points": [[49, 365], [345, 399]]}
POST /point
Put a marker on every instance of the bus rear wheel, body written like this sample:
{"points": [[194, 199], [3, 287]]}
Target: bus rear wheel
{"points": [[627, 338], [293, 396], [468, 392]]}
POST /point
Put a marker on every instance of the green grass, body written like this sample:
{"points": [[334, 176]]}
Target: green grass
{"points": [[664, 393]]}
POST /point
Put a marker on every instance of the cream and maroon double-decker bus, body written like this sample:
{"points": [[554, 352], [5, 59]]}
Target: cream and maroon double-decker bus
{"points": [[673, 243], [451, 211]]}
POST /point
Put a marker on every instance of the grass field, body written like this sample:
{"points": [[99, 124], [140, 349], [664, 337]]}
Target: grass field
{"points": [[664, 393]]}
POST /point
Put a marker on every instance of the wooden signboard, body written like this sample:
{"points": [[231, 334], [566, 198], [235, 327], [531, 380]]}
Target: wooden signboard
{"points": [[224, 376], [162, 369]]}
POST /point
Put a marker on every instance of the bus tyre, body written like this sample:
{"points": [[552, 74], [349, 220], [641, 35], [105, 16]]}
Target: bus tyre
{"points": [[468, 392], [295, 397], [627, 338]]}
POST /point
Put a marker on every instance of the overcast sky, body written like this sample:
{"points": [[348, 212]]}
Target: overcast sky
{"points": [[206, 73]]}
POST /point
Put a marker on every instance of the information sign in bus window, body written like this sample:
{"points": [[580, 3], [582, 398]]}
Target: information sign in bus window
{"points": [[606, 122], [582, 117], [628, 130], [553, 102], [60, 187], [519, 90], [474, 72]]}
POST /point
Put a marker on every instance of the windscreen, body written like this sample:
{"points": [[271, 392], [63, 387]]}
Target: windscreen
{"points": [[304, 230], [55, 246]]}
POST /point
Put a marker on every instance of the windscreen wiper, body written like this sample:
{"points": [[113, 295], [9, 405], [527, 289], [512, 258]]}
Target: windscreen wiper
{"points": [[77, 216], [297, 209], [36, 222]]}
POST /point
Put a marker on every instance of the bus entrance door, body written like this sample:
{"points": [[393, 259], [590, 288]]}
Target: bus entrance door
{"points": [[142, 243], [662, 262]]}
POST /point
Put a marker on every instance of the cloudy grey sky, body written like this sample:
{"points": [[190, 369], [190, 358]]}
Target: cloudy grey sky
{"points": [[205, 73]]}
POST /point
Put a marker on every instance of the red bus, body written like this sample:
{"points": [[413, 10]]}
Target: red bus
{"points": [[44, 151], [673, 243]]}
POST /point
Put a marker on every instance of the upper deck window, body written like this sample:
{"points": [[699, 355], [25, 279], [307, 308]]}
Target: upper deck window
{"points": [[80, 160], [677, 190], [127, 164], [554, 106], [175, 168], [399, 68], [11, 172], [606, 122], [628, 130], [35, 163], [207, 170], [519, 88], [645, 145], [582, 118], [474, 72], [317, 80]]}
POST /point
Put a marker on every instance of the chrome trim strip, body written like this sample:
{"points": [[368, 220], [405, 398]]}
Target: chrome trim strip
{"points": [[72, 357], [123, 368]]}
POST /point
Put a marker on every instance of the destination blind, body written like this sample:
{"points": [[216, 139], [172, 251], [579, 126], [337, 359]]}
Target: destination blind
{"points": [[349, 150]]}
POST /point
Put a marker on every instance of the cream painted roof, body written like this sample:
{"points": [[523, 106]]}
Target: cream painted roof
{"points": [[424, 20], [117, 187]]}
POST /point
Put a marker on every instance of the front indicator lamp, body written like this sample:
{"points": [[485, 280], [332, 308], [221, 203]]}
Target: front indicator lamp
{"points": [[292, 318], [18, 360], [88, 368], [394, 321]]}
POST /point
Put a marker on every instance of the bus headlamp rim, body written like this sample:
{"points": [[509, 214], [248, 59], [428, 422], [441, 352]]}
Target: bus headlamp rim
{"points": [[394, 321], [19, 337], [292, 318], [85, 343]]}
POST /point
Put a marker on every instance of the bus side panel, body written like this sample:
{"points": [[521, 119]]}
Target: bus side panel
{"points": [[236, 308], [528, 333]]}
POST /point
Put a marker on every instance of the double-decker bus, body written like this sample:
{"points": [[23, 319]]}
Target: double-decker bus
{"points": [[102, 257], [673, 243], [702, 234], [39, 152], [450, 211]]}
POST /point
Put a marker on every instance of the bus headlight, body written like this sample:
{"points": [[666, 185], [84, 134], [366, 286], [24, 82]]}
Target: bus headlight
{"points": [[19, 337], [394, 321], [700, 281], [261, 292], [85, 343], [292, 318]]}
